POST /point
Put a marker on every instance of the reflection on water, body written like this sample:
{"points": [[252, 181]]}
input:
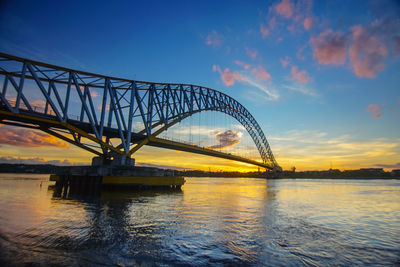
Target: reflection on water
{"points": [[211, 221]]}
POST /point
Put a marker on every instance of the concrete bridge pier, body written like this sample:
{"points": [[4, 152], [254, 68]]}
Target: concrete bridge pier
{"points": [[103, 173], [113, 160], [68, 185]]}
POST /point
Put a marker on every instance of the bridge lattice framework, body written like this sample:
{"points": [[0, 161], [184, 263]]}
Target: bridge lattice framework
{"points": [[133, 112]]}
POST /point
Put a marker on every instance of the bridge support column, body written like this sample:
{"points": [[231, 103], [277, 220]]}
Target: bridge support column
{"points": [[115, 160]]}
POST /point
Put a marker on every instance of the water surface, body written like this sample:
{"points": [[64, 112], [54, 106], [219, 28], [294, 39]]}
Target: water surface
{"points": [[212, 221]]}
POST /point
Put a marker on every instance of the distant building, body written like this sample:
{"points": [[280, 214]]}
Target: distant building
{"points": [[374, 170], [395, 172]]}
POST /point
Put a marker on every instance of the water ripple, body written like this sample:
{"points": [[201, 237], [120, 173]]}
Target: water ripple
{"points": [[212, 221]]}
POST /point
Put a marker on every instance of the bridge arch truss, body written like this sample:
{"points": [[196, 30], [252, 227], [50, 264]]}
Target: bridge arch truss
{"points": [[43, 96]]}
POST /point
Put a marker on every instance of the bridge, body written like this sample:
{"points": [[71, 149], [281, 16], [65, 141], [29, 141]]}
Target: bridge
{"points": [[39, 96]]}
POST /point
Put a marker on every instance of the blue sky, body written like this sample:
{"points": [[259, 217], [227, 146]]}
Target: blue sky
{"points": [[320, 77]]}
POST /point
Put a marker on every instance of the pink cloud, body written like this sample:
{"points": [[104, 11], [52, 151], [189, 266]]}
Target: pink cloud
{"points": [[366, 53], [228, 77], [291, 28], [285, 61], [242, 64], [374, 109], [260, 73], [272, 23], [27, 138], [307, 23], [298, 13], [300, 76], [392, 110], [251, 53], [329, 47], [214, 39], [264, 31], [228, 49], [284, 8], [239, 77], [396, 46], [299, 53], [216, 68]]}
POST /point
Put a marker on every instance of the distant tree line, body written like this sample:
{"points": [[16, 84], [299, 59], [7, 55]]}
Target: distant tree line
{"points": [[371, 173]]}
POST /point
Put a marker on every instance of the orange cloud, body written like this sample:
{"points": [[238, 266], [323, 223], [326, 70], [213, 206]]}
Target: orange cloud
{"points": [[214, 39], [251, 53], [307, 23], [366, 53], [284, 8], [38, 103], [242, 64], [227, 139], [329, 47], [27, 138], [300, 76], [374, 109], [260, 73], [100, 106], [94, 94], [264, 31]]}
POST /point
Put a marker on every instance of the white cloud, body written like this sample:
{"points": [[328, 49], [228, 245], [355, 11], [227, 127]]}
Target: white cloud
{"points": [[269, 92], [239, 127], [302, 88]]}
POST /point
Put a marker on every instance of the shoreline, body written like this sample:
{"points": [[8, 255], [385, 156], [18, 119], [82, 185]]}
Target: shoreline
{"points": [[361, 174]]}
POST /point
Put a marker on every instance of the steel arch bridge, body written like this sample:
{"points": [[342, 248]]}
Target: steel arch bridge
{"points": [[39, 95]]}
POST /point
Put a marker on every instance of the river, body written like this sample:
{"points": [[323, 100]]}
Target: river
{"points": [[211, 221]]}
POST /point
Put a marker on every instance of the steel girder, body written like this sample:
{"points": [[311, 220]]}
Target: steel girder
{"points": [[65, 103]]}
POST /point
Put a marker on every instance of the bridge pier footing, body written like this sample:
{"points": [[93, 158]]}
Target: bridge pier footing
{"points": [[89, 180], [114, 160]]}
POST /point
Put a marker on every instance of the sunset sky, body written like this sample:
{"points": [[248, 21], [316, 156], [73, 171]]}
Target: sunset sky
{"points": [[322, 78]]}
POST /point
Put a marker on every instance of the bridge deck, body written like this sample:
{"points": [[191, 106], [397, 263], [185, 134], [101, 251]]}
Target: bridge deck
{"points": [[40, 121]]}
